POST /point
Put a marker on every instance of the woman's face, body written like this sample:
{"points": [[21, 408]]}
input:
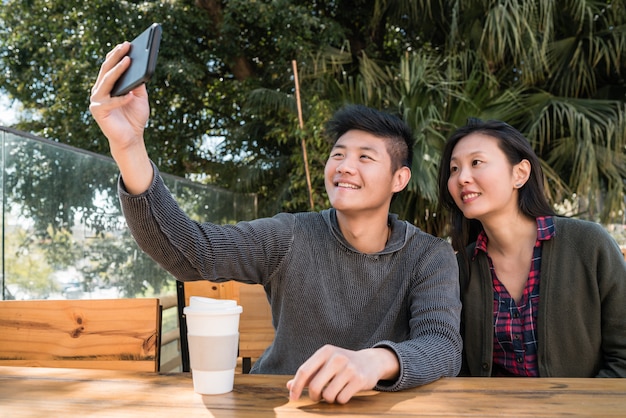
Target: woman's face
{"points": [[482, 181]]}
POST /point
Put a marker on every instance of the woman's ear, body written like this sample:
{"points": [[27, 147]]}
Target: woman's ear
{"points": [[400, 179], [521, 173]]}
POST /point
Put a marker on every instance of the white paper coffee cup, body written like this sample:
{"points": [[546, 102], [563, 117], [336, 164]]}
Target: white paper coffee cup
{"points": [[213, 336]]}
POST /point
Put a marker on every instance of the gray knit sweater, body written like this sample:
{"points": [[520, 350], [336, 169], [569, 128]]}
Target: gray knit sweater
{"points": [[321, 290]]}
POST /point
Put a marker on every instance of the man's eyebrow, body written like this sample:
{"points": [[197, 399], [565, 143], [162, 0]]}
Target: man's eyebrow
{"points": [[361, 148]]}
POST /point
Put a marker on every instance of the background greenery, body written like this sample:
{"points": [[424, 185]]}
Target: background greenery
{"points": [[553, 69]]}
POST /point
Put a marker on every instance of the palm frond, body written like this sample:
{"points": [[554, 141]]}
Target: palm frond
{"points": [[271, 99], [583, 141]]}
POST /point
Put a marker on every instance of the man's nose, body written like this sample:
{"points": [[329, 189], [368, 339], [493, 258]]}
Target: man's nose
{"points": [[346, 166]]}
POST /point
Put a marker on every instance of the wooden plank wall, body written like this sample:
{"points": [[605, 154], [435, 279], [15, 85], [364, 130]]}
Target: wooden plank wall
{"points": [[115, 334]]}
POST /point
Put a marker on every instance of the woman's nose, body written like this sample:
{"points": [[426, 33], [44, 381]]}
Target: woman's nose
{"points": [[463, 176]]}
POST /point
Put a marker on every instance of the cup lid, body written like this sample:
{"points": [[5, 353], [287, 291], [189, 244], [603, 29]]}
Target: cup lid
{"points": [[199, 304]]}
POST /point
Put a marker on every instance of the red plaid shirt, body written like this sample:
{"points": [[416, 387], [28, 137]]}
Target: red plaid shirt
{"points": [[515, 337]]}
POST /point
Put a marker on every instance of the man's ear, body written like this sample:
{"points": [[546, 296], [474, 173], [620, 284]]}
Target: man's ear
{"points": [[401, 178]]}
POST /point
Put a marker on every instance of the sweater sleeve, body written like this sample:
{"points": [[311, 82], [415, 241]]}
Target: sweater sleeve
{"points": [[611, 269], [434, 347], [190, 250], [582, 332]]}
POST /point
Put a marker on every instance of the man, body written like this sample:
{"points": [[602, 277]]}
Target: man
{"points": [[359, 299]]}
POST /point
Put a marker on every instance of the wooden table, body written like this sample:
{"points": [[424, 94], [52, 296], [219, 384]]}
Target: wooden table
{"points": [[41, 392]]}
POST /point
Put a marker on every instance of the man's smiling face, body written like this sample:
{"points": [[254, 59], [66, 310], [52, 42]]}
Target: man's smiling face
{"points": [[358, 173]]}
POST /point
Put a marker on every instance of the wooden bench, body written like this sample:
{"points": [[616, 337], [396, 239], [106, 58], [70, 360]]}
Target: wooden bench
{"points": [[114, 334], [256, 331]]}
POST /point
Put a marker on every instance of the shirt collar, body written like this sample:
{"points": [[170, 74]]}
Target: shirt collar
{"points": [[545, 231]]}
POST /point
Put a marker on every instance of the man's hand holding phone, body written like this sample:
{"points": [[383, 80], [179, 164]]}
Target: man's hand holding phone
{"points": [[122, 119], [126, 69], [143, 53]]}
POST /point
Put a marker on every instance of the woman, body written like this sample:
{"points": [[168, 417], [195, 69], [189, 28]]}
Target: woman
{"points": [[542, 295]]}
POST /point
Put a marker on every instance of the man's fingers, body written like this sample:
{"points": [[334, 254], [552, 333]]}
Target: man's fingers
{"points": [[299, 382], [105, 84], [335, 374], [331, 378], [346, 393], [111, 69], [306, 372]]}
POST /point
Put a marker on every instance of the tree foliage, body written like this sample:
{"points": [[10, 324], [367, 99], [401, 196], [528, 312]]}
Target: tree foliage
{"points": [[555, 70]]}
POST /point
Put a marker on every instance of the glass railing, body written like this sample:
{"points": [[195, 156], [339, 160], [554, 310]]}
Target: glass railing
{"points": [[63, 234]]}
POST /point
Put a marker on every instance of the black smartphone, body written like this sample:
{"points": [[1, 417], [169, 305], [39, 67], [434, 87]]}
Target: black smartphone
{"points": [[143, 54]]}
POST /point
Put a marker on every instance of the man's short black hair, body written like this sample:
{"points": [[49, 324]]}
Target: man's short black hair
{"points": [[378, 123]]}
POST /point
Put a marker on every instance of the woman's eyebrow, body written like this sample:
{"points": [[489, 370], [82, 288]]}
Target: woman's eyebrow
{"points": [[469, 154]]}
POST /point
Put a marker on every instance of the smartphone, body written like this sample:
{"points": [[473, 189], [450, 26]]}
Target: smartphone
{"points": [[143, 54]]}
